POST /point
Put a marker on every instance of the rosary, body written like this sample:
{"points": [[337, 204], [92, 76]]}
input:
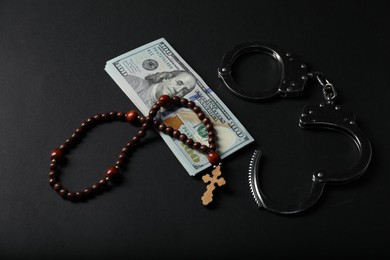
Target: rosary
{"points": [[146, 123]]}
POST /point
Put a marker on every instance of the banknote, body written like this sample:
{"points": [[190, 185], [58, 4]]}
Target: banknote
{"points": [[146, 73]]}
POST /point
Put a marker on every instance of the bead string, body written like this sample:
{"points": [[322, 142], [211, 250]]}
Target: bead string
{"points": [[132, 116]]}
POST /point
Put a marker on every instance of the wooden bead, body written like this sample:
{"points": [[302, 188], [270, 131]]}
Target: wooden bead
{"points": [[53, 166], [149, 119], [156, 107], [201, 115], [113, 115], [213, 146], [52, 174], [196, 109], [190, 104], [189, 142], [75, 137], [121, 116], [176, 133], [97, 118], [71, 196], [105, 117], [103, 182], [183, 137], [203, 148], [63, 192], [211, 140], [64, 148], [56, 154], [95, 187], [145, 126], [120, 163], [111, 172], [89, 120], [69, 142], [165, 101], [87, 192], [79, 195], [52, 181], [57, 186], [184, 102], [129, 145], [131, 116], [141, 133], [135, 139], [176, 100], [152, 113], [196, 145], [206, 121], [162, 127], [169, 130], [213, 158], [209, 127], [122, 156], [156, 123], [142, 119]]}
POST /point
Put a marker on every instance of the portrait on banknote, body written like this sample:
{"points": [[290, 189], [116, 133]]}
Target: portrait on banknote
{"points": [[172, 83]]}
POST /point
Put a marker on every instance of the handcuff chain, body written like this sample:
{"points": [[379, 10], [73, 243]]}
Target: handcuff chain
{"points": [[328, 90]]}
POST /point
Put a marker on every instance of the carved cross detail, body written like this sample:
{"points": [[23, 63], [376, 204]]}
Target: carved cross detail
{"points": [[208, 194]]}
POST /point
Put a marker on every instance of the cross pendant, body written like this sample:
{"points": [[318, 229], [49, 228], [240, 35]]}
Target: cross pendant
{"points": [[208, 194]]}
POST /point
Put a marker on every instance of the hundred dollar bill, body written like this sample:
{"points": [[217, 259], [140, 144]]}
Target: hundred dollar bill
{"points": [[148, 72]]}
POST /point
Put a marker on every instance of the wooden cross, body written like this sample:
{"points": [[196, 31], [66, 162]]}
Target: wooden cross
{"points": [[208, 194]]}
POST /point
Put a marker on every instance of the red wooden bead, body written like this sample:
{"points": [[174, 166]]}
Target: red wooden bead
{"points": [[112, 171], [142, 119], [120, 115], [56, 154], [141, 133], [206, 120], [184, 102], [182, 137], [176, 100], [131, 116], [176, 133], [145, 126], [87, 192], [201, 115], [57, 186], [52, 174], [52, 181], [169, 130], [203, 148], [148, 119], [162, 127], [213, 158], [63, 192], [165, 100], [196, 145], [213, 146], [189, 142], [196, 109]]}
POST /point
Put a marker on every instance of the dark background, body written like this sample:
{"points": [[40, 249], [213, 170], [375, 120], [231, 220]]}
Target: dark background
{"points": [[52, 55]]}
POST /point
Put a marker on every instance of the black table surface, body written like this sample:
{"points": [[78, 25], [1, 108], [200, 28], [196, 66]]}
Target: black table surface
{"points": [[52, 55]]}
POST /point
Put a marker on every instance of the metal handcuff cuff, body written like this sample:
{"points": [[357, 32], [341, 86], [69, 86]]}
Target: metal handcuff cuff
{"points": [[294, 77]]}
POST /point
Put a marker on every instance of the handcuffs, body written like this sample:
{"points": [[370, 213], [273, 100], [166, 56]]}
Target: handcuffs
{"points": [[328, 115]]}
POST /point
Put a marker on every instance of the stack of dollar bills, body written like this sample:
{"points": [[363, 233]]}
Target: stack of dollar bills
{"points": [[156, 69]]}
